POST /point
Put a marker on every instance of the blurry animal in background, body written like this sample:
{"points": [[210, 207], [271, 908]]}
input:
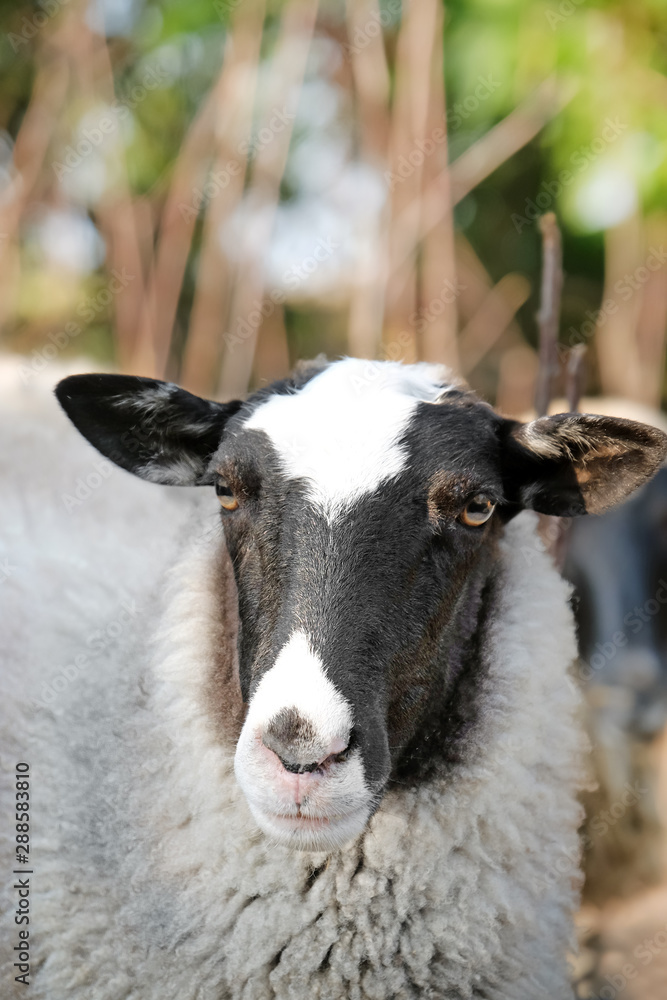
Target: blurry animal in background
{"points": [[618, 565]]}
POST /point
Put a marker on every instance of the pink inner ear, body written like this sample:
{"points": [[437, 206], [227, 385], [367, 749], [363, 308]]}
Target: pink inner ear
{"points": [[613, 469]]}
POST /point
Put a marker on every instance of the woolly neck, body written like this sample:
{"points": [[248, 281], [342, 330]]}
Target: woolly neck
{"points": [[484, 858]]}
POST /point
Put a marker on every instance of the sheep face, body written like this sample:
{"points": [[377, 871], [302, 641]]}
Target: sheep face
{"points": [[360, 585], [361, 506]]}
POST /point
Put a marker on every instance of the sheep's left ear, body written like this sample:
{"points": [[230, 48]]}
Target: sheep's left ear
{"points": [[573, 464], [153, 429]]}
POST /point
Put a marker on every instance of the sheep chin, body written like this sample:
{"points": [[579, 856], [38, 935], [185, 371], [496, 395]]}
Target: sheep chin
{"points": [[303, 833]]}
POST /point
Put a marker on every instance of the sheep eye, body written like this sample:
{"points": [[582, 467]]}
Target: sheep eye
{"points": [[477, 511], [226, 497]]}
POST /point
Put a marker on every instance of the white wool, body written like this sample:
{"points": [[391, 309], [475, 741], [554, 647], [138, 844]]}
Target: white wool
{"points": [[152, 880]]}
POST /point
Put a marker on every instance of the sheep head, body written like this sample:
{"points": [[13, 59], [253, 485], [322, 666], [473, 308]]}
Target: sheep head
{"points": [[361, 504]]}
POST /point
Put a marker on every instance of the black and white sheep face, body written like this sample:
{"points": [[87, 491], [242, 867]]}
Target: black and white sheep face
{"points": [[361, 505], [351, 560]]}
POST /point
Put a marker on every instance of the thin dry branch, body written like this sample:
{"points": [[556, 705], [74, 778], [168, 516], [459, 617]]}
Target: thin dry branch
{"points": [[235, 99], [371, 80], [576, 372], [91, 62], [548, 317], [177, 224], [371, 77], [286, 75], [438, 263], [412, 95], [474, 284], [35, 135], [272, 352], [475, 280], [32, 143], [494, 316]]}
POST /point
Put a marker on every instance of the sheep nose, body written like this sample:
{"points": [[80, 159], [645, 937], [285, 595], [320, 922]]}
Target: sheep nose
{"points": [[295, 742]]}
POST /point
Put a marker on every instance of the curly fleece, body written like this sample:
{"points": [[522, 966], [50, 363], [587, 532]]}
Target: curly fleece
{"points": [[152, 881]]}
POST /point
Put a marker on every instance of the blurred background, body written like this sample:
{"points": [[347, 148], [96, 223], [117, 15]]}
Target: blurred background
{"points": [[209, 190]]}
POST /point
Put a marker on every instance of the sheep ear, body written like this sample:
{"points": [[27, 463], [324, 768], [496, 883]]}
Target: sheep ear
{"points": [[573, 464], [153, 429]]}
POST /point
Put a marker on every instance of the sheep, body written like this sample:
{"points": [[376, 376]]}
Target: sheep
{"points": [[333, 750]]}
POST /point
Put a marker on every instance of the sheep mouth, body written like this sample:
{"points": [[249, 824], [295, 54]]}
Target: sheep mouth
{"points": [[301, 822]]}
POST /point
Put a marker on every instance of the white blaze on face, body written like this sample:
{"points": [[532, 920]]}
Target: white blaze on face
{"points": [[339, 799], [341, 432]]}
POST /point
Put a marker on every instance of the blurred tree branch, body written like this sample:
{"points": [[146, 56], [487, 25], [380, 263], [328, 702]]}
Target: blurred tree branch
{"points": [[288, 65], [478, 162], [235, 98], [548, 317]]}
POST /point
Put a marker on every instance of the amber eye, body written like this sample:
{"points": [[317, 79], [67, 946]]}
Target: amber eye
{"points": [[477, 511], [227, 499]]}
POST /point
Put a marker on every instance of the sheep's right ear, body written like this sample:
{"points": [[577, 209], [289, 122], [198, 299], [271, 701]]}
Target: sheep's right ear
{"points": [[153, 429]]}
